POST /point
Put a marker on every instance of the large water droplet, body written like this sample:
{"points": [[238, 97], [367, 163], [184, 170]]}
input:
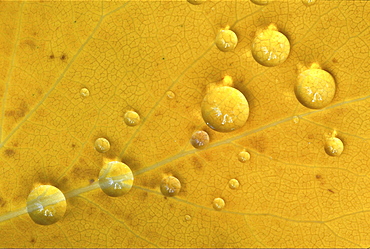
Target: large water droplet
{"points": [[170, 186], [315, 88], [333, 146], [218, 204], [199, 139], [308, 2], [131, 118], [196, 2], [244, 156], [84, 92], [46, 205], [234, 184], [115, 178], [270, 47], [102, 145], [260, 2], [226, 40], [225, 109]]}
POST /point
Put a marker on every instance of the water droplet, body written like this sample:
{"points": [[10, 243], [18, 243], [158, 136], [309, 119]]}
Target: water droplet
{"points": [[315, 88], [170, 95], [308, 2], [102, 145], [225, 109], [260, 2], [226, 40], [244, 156], [46, 205], [234, 184], [115, 178], [131, 118], [170, 186], [333, 146], [199, 139], [196, 2], [227, 81], [295, 120], [270, 47], [187, 217], [84, 92], [218, 204]]}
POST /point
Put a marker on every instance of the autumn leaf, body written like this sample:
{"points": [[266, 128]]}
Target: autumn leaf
{"points": [[71, 70]]}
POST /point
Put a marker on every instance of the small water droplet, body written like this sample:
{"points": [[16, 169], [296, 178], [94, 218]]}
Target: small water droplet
{"points": [[244, 156], [131, 118], [295, 120], [199, 139], [333, 146], [260, 2], [315, 88], [270, 47], [46, 205], [102, 145], [170, 186], [115, 178], [196, 2], [308, 2], [170, 95], [226, 40], [84, 92], [218, 204], [234, 184], [187, 217], [225, 109]]}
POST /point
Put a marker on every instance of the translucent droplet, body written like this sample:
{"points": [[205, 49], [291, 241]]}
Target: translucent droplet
{"points": [[199, 139], [244, 156], [187, 217], [225, 109], [234, 184], [170, 186], [218, 204], [102, 145], [46, 205], [260, 2], [196, 2], [226, 40], [84, 92], [295, 120], [270, 47], [131, 118], [315, 88], [333, 146], [170, 95], [115, 178], [308, 2]]}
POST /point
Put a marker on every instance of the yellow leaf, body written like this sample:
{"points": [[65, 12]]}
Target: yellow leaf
{"points": [[71, 70]]}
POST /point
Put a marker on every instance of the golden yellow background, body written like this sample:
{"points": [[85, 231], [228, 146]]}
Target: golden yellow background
{"points": [[129, 54]]}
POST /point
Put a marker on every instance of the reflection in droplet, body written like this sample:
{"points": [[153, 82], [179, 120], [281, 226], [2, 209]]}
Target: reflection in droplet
{"points": [[84, 92], [46, 205], [295, 120], [234, 184], [170, 186], [218, 204], [170, 95], [333, 146], [308, 2], [270, 47], [226, 40], [199, 139], [315, 88], [225, 109], [244, 156], [115, 178], [187, 217], [131, 118], [260, 2], [102, 145]]}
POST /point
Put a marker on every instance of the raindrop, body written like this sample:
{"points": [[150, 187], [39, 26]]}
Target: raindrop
{"points": [[226, 40], [295, 120], [46, 205], [333, 146], [170, 95], [244, 156], [115, 178], [187, 217], [170, 186], [308, 2], [196, 2], [218, 204], [131, 118], [84, 92], [260, 2], [234, 184], [199, 139], [102, 145]]}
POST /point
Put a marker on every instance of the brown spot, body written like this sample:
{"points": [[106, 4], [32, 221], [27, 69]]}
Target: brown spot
{"points": [[9, 152], [33, 240], [2, 202], [91, 181], [331, 191], [310, 136], [258, 143], [73, 145], [142, 195], [318, 176], [195, 163], [31, 44], [51, 56], [334, 60], [63, 57], [20, 112]]}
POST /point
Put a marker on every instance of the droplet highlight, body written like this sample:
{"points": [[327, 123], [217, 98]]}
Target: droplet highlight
{"points": [[84, 92], [315, 88], [333, 146], [199, 139], [234, 184], [170, 95], [260, 2], [308, 2], [295, 120], [115, 178], [131, 118], [244, 156], [225, 109], [226, 40], [170, 186], [270, 47], [102, 145], [46, 205], [218, 204], [187, 217]]}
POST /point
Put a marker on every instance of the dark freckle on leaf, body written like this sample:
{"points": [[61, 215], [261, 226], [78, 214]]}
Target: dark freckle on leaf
{"points": [[73, 145], [33, 240], [318, 176], [9, 152], [51, 56], [334, 60], [91, 181], [331, 191], [63, 57]]}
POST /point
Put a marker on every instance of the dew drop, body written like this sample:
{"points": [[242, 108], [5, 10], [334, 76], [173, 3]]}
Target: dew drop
{"points": [[196, 2], [115, 178], [102, 145], [308, 2], [295, 120], [199, 139], [226, 40], [244, 156], [225, 109], [170, 95], [315, 88], [333, 146], [234, 184], [46, 205], [84, 92], [218, 204], [260, 2], [170, 186], [187, 217], [131, 118], [270, 47]]}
